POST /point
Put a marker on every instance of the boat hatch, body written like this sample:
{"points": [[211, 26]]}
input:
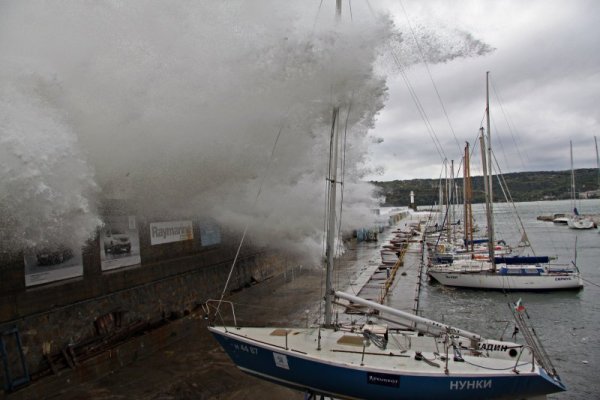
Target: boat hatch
{"points": [[280, 332], [351, 340]]}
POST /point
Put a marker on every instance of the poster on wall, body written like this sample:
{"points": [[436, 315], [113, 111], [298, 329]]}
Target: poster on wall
{"points": [[210, 233], [119, 242], [52, 264], [170, 231]]}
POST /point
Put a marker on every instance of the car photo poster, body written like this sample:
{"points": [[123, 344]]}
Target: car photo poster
{"points": [[171, 231], [119, 242], [52, 264]]}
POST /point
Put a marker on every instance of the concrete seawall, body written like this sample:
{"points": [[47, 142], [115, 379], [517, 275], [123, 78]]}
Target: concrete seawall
{"points": [[184, 362]]}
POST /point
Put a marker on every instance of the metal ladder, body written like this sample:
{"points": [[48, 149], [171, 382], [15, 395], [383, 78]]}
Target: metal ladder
{"points": [[13, 382]]}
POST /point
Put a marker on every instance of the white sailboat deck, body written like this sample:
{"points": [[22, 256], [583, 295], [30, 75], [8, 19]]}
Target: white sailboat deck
{"points": [[351, 349]]}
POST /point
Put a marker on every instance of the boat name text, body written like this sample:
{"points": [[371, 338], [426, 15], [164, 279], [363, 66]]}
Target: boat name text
{"points": [[471, 385], [493, 347]]}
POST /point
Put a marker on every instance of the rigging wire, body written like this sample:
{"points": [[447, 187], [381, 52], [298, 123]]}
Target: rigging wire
{"points": [[415, 98], [508, 123], [260, 186], [350, 8], [590, 282], [509, 199], [429, 73], [555, 245], [316, 18], [342, 180]]}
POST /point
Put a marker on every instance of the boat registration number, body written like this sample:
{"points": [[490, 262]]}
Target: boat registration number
{"points": [[248, 349]]}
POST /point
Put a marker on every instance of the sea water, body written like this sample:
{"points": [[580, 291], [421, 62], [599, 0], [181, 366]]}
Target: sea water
{"points": [[566, 321]]}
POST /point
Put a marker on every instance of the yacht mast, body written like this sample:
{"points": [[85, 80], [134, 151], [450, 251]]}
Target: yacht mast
{"points": [[451, 200], [486, 183], [467, 199], [572, 176], [331, 222], [447, 199], [332, 197], [597, 160], [490, 196]]}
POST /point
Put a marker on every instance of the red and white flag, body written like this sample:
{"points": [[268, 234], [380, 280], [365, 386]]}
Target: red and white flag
{"points": [[519, 307]]}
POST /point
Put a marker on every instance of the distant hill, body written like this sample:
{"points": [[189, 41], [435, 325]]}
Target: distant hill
{"points": [[523, 186]]}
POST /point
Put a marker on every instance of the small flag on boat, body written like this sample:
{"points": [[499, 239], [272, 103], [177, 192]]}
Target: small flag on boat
{"points": [[519, 307]]}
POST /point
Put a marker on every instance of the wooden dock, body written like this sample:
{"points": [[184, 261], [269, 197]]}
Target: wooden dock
{"points": [[396, 284]]}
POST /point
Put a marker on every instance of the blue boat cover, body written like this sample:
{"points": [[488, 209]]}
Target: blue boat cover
{"points": [[515, 260]]}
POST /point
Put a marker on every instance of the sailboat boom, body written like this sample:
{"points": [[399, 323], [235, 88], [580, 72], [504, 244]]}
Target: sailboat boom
{"points": [[409, 316]]}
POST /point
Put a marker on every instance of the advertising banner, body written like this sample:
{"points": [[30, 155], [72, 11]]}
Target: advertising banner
{"points": [[52, 264], [119, 242], [210, 233], [171, 231]]}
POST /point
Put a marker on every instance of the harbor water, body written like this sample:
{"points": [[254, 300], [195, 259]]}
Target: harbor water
{"points": [[567, 322]]}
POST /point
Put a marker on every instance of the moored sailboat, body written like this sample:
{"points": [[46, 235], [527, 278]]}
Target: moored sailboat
{"points": [[576, 221], [505, 272]]}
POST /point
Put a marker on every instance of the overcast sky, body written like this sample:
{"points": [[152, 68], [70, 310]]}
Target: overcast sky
{"points": [[545, 68]]}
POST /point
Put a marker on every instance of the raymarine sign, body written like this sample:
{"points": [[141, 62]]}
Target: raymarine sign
{"points": [[171, 231]]}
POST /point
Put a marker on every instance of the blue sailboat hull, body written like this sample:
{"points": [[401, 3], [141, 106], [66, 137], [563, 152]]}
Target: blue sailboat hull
{"points": [[305, 373]]}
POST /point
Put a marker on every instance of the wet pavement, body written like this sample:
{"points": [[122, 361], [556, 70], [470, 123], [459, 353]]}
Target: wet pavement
{"points": [[197, 368]]}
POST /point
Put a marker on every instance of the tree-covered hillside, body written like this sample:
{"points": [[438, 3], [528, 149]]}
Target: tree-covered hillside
{"points": [[523, 186]]}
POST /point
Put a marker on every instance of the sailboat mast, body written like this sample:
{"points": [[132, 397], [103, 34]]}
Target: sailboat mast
{"points": [[440, 205], [597, 160], [490, 197], [332, 197], [451, 200], [465, 212], [331, 222], [446, 199], [456, 199], [486, 185], [467, 190], [572, 176]]}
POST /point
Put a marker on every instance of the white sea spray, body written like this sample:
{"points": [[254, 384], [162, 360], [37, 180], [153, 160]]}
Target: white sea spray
{"points": [[177, 106]]}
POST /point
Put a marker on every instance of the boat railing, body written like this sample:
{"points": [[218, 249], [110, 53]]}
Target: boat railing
{"points": [[449, 342], [533, 342], [525, 346], [560, 269], [212, 309]]}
